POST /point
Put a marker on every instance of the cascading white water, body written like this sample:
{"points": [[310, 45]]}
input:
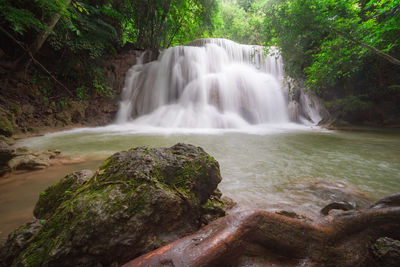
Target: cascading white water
{"points": [[211, 83]]}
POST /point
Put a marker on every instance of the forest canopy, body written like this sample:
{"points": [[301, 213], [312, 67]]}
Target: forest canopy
{"points": [[346, 51]]}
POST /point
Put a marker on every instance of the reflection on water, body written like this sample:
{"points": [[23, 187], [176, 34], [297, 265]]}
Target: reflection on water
{"points": [[271, 170]]}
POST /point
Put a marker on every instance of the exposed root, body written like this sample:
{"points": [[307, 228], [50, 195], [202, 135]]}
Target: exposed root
{"points": [[343, 239]]}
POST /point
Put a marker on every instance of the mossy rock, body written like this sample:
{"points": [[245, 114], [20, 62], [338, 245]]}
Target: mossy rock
{"points": [[53, 196], [137, 201], [17, 240], [7, 123], [386, 252]]}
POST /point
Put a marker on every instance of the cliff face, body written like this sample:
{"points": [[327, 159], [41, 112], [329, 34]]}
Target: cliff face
{"points": [[25, 108]]}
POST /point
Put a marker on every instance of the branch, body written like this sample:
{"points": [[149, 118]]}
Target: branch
{"points": [[35, 60], [373, 49]]}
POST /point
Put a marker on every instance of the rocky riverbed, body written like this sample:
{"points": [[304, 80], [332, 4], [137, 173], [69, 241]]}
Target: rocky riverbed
{"points": [[22, 158]]}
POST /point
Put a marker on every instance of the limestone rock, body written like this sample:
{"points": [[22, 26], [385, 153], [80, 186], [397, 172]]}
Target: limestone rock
{"points": [[28, 162], [137, 201], [23, 158]]}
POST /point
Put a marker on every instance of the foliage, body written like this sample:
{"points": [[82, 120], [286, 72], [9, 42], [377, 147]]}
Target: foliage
{"points": [[23, 16], [89, 29], [319, 39], [159, 24], [242, 21], [325, 42]]}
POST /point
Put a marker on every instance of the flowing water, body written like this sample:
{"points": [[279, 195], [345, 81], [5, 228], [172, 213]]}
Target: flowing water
{"points": [[231, 101]]}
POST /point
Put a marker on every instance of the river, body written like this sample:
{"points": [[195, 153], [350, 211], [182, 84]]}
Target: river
{"points": [[267, 167]]}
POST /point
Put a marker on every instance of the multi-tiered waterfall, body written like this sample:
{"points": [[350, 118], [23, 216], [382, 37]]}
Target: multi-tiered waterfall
{"points": [[210, 83]]}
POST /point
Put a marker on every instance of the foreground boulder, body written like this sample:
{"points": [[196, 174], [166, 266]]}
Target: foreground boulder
{"points": [[137, 201]]}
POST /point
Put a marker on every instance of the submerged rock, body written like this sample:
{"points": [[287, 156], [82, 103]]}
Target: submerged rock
{"points": [[137, 201], [336, 206], [329, 192], [388, 201]]}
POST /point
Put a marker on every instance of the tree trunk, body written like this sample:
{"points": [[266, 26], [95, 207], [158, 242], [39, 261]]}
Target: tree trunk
{"points": [[39, 41], [342, 239], [158, 36]]}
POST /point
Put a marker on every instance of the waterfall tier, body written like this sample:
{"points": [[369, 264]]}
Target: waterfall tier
{"points": [[210, 83]]}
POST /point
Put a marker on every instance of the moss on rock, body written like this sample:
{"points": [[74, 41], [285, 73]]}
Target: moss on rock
{"points": [[137, 201], [7, 123], [53, 196]]}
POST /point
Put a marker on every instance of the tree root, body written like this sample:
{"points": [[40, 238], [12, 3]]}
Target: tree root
{"points": [[342, 239]]}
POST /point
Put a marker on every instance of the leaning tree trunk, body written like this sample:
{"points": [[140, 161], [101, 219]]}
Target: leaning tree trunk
{"points": [[39, 41], [342, 239]]}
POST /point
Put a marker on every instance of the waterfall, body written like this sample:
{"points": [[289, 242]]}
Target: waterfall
{"points": [[209, 83]]}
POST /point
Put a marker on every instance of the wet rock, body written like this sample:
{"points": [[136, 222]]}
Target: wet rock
{"points": [[137, 201], [386, 252], [215, 207], [389, 201], [336, 206], [53, 196], [29, 162], [333, 191], [7, 140], [6, 153], [294, 111], [116, 67], [102, 112], [333, 123], [23, 158]]}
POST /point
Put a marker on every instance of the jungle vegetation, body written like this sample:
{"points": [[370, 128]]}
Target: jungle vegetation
{"points": [[346, 51]]}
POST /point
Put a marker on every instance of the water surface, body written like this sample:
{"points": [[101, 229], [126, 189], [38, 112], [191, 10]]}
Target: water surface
{"points": [[268, 168]]}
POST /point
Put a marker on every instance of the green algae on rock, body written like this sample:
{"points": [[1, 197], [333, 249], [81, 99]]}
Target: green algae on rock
{"points": [[7, 123], [137, 201], [53, 196]]}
